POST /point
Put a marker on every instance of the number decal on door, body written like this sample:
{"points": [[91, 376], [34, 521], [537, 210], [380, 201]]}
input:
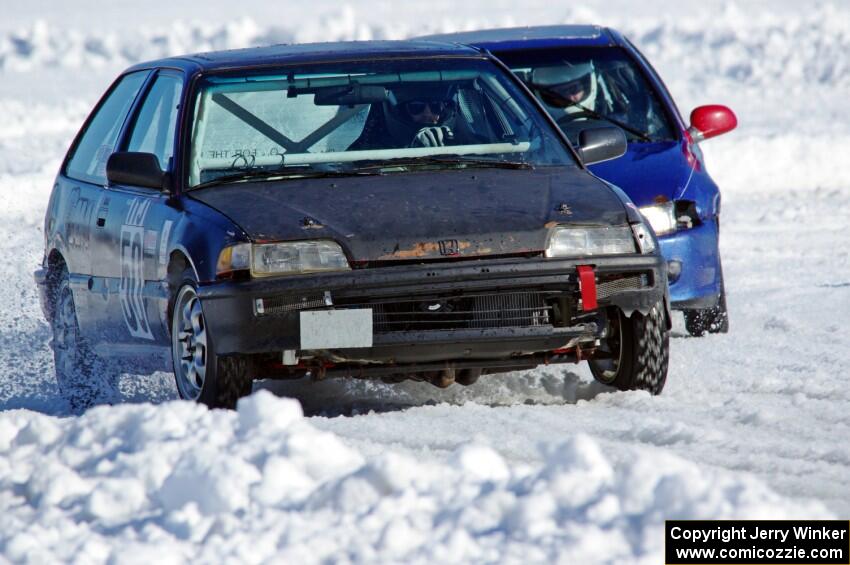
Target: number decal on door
{"points": [[133, 269]]}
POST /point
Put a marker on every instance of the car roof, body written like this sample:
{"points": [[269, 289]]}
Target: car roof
{"points": [[530, 37], [310, 52]]}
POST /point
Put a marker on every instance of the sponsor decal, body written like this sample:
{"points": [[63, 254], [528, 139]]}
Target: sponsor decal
{"points": [[133, 271], [151, 237]]}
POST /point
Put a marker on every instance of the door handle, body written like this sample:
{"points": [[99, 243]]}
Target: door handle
{"points": [[101, 217]]}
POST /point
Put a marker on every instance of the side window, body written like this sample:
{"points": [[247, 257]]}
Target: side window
{"points": [[88, 162], [153, 131]]}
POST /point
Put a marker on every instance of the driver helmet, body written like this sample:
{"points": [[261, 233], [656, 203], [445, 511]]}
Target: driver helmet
{"points": [[566, 85]]}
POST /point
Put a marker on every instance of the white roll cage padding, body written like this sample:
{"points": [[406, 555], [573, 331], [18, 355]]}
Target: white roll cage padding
{"points": [[249, 84]]}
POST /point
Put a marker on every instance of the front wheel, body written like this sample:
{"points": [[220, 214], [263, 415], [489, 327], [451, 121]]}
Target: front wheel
{"points": [[200, 374], [637, 352], [714, 320]]}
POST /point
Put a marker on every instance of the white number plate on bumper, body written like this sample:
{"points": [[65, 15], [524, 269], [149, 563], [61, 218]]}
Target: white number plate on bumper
{"points": [[336, 329]]}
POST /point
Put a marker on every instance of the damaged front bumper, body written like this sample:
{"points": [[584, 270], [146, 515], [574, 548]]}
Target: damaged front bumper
{"points": [[471, 310], [694, 266]]}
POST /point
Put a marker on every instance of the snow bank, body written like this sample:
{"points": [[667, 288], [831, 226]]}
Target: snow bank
{"points": [[750, 47], [778, 163], [733, 42], [126, 483], [34, 137], [791, 61]]}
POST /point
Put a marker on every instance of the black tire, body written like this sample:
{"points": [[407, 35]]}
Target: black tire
{"points": [[713, 320], [639, 347], [76, 370], [200, 374]]}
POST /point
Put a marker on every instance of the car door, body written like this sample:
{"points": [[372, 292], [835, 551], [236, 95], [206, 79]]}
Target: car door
{"points": [[81, 184], [138, 224]]}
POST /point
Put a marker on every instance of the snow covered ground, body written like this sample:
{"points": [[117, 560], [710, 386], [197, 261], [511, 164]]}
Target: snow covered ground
{"points": [[535, 466]]}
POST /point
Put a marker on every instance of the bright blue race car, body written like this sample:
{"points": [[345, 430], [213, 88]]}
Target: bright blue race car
{"points": [[588, 76]]}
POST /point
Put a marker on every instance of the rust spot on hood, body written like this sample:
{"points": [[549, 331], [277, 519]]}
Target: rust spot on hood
{"points": [[423, 249]]}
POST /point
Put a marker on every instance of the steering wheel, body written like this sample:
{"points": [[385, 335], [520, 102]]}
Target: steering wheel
{"points": [[568, 119]]}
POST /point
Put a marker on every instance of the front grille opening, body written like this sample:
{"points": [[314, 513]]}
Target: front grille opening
{"points": [[284, 304], [498, 310], [610, 285]]}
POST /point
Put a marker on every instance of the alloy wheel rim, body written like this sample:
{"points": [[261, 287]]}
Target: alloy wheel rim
{"points": [[189, 343]]}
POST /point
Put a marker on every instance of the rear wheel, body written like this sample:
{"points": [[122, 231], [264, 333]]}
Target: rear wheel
{"points": [[638, 349], [200, 374], [74, 363]]}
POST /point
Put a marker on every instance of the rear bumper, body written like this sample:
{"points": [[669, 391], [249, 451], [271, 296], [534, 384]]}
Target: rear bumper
{"points": [[696, 251], [235, 325]]}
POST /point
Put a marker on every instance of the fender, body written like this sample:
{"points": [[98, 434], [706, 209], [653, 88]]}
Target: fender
{"points": [[200, 234]]}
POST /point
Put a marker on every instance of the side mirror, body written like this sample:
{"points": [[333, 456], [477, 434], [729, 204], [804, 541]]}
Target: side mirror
{"points": [[601, 144], [711, 121], [136, 169]]}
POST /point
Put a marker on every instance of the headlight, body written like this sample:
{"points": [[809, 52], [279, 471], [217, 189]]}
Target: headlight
{"points": [[232, 259], [644, 238], [285, 258], [297, 257], [661, 217], [565, 242]]}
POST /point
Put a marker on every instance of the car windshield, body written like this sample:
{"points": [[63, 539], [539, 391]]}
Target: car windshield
{"points": [[366, 117], [583, 87]]}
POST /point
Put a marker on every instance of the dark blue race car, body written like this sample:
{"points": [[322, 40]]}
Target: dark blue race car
{"points": [[588, 75], [377, 209]]}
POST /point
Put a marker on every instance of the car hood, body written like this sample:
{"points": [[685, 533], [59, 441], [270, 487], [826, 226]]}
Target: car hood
{"points": [[406, 216], [649, 172]]}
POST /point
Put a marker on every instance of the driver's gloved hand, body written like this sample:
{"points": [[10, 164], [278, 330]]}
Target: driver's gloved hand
{"points": [[433, 136]]}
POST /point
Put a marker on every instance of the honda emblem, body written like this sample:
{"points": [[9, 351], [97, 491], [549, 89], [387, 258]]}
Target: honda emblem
{"points": [[449, 247]]}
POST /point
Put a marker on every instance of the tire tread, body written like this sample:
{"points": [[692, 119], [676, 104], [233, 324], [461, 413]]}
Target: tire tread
{"points": [[233, 381], [645, 353]]}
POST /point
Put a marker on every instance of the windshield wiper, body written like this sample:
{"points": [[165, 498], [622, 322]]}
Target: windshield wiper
{"points": [[460, 162], [281, 173], [594, 114], [367, 170], [237, 177]]}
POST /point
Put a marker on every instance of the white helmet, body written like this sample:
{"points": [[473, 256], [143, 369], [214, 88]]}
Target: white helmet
{"points": [[559, 85]]}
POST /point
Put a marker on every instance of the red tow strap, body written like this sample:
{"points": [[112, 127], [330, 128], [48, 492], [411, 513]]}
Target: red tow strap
{"points": [[587, 286]]}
